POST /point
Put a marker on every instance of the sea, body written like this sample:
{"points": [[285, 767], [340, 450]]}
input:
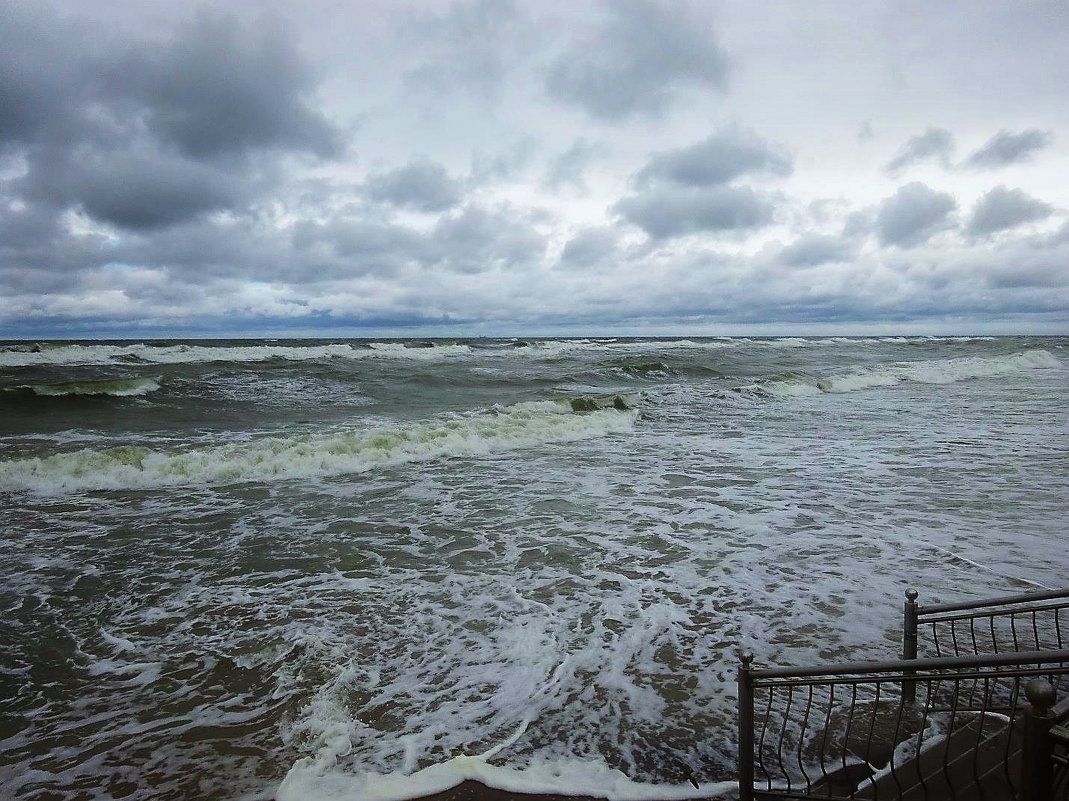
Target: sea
{"points": [[353, 569]]}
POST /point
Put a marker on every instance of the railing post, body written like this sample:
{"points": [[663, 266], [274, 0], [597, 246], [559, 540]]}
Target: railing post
{"points": [[909, 643], [1037, 768], [746, 732]]}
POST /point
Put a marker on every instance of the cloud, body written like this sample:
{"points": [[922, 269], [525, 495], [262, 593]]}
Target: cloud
{"points": [[641, 55], [1003, 208], [815, 249], [136, 189], [590, 247], [720, 158], [913, 215], [476, 240], [935, 144], [222, 89], [148, 134], [568, 167], [670, 211], [420, 185], [469, 47], [1006, 148]]}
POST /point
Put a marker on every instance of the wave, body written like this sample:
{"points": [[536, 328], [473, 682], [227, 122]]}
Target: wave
{"points": [[332, 453], [934, 371], [187, 354], [318, 780], [116, 387]]}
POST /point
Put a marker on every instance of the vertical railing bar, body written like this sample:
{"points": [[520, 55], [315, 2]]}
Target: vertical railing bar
{"points": [[1035, 630], [1058, 627], [872, 723], [954, 637], [764, 731], [801, 740], [746, 721], [951, 727], [980, 735], [1013, 631], [935, 639], [779, 742], [909, 639], [920, 736], [1015, 695], [972, 633], [827, 727], [994, 638], [849, 722], [898, 738]]}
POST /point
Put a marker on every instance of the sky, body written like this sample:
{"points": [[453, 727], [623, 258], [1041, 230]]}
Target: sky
{"points": [[498, 168]]}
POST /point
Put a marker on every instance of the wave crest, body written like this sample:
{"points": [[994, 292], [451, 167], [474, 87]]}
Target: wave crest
{"points": [[934, 371], [332, 453]]}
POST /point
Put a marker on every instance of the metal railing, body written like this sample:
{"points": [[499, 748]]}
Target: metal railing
{"points": [[848, 731], [1031, 622], [979, 720]]}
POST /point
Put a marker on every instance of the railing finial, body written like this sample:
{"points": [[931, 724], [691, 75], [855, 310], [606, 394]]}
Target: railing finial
{"points": [[911, 595], [1041, 695]]}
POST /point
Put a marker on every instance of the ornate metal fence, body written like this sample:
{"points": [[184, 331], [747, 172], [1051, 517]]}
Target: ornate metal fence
{"points": [[1032, 622], [979, 720]]}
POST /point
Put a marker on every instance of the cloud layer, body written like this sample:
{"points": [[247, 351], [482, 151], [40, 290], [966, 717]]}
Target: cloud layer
{"points": [[480, 166]]}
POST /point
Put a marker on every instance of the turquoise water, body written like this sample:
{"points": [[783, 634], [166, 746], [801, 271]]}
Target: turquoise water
{"points": [[352, 569]]}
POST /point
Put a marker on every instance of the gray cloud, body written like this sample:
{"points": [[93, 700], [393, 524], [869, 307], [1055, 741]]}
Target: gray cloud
{"points": [[568, 167], [718, 159], [133, 190], [815, 249], [643, 52], [590, 247], [1003, 208], [421, 185], [469, 46], [1006, 148], [144, 135], [670, 211], [476, 240], [913, 215], [935, 144], [220, 89]]}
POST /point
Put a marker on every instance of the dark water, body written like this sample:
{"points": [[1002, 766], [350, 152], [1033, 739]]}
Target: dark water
{"points": [[336, 569]]}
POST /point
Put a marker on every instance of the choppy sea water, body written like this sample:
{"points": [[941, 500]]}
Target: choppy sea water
{"points": [[345, 569]]}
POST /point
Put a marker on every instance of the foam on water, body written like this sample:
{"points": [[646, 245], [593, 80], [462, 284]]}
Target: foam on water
{"points": [[933, 371], [193, 354], [558, 619], [342, 451]]}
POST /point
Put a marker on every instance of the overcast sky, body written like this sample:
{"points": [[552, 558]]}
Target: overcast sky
{"points": [[491, 167]]}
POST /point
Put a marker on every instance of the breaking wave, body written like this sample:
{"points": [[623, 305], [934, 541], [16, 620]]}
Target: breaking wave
{"points": [[935, 371], [189, 354], [333, 453], [116, 387]]}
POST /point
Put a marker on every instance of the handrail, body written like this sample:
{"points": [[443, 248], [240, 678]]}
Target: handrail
{"points": [[904, 666], [1005, 600]]}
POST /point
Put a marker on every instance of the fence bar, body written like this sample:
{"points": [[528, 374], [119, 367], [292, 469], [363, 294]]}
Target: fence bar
{"points": [[1006, 600], [909, 643], [902, 665], [746, 728], [1037, 767]]}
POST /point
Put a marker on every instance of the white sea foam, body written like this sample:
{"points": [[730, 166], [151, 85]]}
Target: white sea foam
{"points": [[314, 780], [348, 450], [187, 354], [933, 371]]}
